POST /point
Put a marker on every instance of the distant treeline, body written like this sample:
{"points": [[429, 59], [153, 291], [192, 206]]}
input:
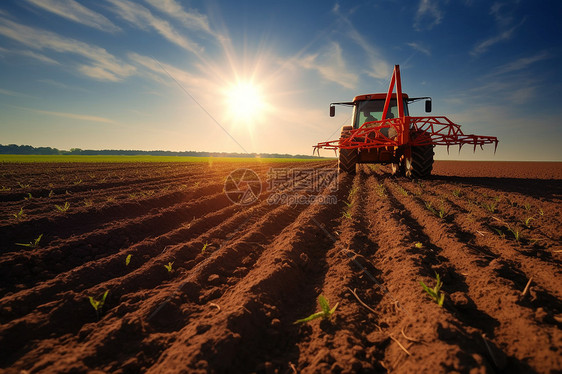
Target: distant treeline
{"points": [[13, 149]]}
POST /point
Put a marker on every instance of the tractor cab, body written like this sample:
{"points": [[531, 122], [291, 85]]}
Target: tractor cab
{"points": [[368, 108]]}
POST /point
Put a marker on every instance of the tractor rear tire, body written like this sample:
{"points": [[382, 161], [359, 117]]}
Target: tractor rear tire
{"points": [[421, 162], [348, 157]]}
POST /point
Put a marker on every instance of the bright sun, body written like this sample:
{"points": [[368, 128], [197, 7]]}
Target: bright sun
{"points": [[245, 102]]}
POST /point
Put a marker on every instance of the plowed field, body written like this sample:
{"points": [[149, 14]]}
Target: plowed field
{"points": [[241, 275]]}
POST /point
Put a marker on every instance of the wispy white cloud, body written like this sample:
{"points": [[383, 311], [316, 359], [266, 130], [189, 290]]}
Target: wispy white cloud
{"points": [[12, 93], [504, 22], [486, 44], [418, 47], [521, 63], [34, 55], [102, 65], [187, 79], [61, 85], [191, 19], [331, 66], [516, 91], [427, 15], [379, 68], [81, 117], [74, 11], [142, 18]]}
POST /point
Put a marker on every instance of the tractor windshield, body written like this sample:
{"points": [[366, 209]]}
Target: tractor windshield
{"points": [[371, 110]]}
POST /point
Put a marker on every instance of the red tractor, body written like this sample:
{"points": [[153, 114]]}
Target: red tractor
{"points": [[383, 132]]}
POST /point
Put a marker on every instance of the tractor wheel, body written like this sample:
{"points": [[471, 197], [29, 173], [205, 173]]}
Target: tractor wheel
{"points": [[421, 163], [348, 157]]}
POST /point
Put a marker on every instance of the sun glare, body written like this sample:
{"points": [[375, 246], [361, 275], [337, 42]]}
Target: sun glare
{"points": [[245, 102]]}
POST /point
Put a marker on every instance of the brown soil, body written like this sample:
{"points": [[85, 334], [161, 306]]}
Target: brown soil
{"points": [[490, 230]]}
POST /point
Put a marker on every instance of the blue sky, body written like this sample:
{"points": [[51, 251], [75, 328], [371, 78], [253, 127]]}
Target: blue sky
{"points": [[107, 74]]}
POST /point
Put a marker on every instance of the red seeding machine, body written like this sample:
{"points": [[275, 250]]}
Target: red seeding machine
{"points": [[383, 132]]}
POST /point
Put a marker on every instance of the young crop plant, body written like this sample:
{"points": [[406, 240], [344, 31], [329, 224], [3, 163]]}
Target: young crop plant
{"points": [[128, 259], [98, 304], [19, 215], [527, 222], [541, 212], [5, 189], [51, 194], [29, 196], [516, 233], [33, 244], [457, 192], [381, 191], [326, 312], [434, 292], [527, 206], [205, 246], [490, 207], [352, 193], [23, 185], [88, 202], [76, 183], [429, 206], [169, 267], [402, 191], [418, 245], [500, 232], [63, 208]]}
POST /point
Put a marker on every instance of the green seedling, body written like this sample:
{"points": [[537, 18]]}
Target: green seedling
{"points": [[352, 193], [88, 202], [205, 246], [430, 207], [457, 192], [63, 208], [110, 199], [29, 196], [402, 191], [418, 245], [527, 222], [541, 212], [442, 213], [33, 244], [434, 292], [381, 191], [128, 259], [23, 185], [500, 232], [5, 188], [527, 206], [169, 267], [98, 304], [76, 183], [516, 233], [490, 207], [51, 194], [19, 215], [346, 214], [326, 312]]}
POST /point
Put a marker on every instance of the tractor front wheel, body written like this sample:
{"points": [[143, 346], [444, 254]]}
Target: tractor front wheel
{"points": [[348, 157], [420, 164]]}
